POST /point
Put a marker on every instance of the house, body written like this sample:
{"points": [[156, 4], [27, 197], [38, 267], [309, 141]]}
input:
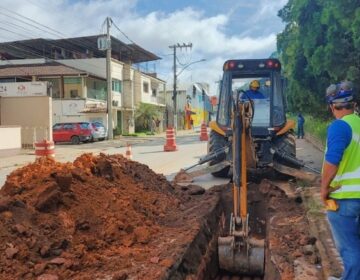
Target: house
{"points": [[76, 69]]}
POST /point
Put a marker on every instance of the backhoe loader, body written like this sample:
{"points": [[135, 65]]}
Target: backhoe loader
{"points": [[251, 136]]}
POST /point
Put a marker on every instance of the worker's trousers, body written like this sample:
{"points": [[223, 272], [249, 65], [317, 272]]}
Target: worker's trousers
{"points": [[300, 133], [345, 227]]}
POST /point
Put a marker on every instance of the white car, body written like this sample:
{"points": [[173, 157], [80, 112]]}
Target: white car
{"points": [[99, 131]]}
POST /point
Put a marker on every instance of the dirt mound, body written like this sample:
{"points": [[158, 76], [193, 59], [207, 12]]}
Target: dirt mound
{"points": [[100, 217]]}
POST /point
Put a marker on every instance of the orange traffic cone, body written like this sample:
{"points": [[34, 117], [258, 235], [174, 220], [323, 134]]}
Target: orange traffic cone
{"points": [[170, 144], [128, 153], [203, 133]]}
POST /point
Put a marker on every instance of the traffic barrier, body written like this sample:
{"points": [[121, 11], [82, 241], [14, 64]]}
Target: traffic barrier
{"points": [[44, 148], [128, 153], [203, 133], [170, 144]]}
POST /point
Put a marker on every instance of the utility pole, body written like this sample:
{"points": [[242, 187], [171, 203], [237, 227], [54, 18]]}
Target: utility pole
{"points": [[204, 107], [108, 79], [174, 47]]}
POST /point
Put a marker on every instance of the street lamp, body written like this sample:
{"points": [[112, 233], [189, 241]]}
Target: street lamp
{"points": [[176, 75]]}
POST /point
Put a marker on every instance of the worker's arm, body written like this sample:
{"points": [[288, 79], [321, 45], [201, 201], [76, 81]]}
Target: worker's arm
{"points": [[328, 174]]}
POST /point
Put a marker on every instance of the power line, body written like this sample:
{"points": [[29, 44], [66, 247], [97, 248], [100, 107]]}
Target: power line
{"points": [[123, 33], [22, 35], [51, 32]]}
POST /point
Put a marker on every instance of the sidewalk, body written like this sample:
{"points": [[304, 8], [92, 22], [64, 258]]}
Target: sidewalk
{"points": [[311, 154]]}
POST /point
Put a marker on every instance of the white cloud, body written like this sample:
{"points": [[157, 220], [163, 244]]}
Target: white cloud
{"points": [[156, 31]]}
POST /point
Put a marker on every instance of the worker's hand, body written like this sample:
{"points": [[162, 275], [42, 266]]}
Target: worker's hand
{"points": [[325, 191]]}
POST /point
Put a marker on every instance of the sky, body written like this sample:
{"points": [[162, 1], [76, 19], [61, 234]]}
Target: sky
{"points": [[217, 29]]}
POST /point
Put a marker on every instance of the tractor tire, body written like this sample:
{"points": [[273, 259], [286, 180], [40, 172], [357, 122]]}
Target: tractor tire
{"points": [[216, 142], [286, 143], [290, 143]]}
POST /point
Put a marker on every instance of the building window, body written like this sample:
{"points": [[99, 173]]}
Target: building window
{"points": [[154, 92], [74, 93], [73, 81], [146, 87], [116, 85], [55, 85]]}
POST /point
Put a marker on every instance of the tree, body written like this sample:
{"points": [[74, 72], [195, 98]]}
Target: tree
{"points": [[319, 45], [143, 116]]}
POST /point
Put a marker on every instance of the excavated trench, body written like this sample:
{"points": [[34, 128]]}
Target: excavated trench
{"points": [[290, 249]]}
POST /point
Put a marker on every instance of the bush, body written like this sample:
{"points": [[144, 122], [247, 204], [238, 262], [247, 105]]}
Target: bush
{"points": [[143, 116], [117, 131], [316, 127]]}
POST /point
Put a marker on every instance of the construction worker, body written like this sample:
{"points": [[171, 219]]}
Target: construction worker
{"points": [[300, 123], [340, 182], [253, 91]]}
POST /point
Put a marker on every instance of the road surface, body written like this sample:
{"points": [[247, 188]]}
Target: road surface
{"points": [[149, 151]]}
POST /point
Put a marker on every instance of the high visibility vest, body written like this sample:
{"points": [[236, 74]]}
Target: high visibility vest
{"points": [[348, 174]]}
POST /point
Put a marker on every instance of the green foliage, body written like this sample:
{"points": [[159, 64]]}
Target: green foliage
{"points": [[117, 131], [143, 116], [320, 45], [315, 126]]}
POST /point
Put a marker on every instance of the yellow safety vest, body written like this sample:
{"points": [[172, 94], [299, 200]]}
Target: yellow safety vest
{"points": [[348, 174]]}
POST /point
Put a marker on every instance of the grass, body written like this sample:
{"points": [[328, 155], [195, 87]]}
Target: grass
{"points": [[314, 126], [314, 207], [139, 134]]}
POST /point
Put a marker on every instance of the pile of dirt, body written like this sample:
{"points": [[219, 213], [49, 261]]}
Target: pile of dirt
{"points": [[100, 217]]}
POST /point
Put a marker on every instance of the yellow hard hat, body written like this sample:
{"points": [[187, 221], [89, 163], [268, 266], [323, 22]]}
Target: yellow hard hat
{"points": [[255, 84]]}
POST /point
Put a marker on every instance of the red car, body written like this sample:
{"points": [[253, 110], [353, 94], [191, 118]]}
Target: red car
{"points": [[73, 132]]}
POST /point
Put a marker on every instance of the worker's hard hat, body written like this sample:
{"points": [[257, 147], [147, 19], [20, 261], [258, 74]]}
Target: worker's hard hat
{"points": [[254, 84], [340, 93]]}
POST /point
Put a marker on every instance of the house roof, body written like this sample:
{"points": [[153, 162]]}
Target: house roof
{"points": [[78, 47], [44, 69]]}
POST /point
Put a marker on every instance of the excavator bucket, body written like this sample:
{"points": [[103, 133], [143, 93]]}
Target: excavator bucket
{"points": [[185, 176], [239, 259]]}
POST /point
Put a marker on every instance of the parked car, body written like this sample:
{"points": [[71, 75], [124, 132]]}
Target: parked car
{"points": [[73, 132], [99, 131]]}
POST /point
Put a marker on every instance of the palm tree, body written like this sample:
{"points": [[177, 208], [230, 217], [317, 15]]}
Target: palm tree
{"points": [[143, 116]]}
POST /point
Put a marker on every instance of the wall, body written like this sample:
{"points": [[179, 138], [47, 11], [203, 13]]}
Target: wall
{"points": [[96, 66], [33, 114], [69, 111], [145, 96], [128, 122], [76, 84], [10, 140]]}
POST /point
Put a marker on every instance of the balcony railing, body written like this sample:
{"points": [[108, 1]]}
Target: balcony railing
{"points": [[158, 100]]}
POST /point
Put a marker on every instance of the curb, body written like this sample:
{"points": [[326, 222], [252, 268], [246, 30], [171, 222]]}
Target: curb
{"points": [[315, 142]]}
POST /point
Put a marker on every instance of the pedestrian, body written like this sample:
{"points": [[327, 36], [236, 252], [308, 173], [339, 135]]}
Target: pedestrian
{"points": [[157, 123], [300, 123], [340, 180], [152, 125]]}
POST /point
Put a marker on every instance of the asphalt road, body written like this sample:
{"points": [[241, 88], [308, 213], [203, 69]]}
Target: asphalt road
{"points": [[149, 151]]}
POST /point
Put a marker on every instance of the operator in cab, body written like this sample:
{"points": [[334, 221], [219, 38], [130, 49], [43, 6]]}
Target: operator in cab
{"points": [[253, 91]]}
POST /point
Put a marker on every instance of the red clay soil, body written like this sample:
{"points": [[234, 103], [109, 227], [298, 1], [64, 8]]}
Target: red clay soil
{"points": [[292, 251], [100, 217]]}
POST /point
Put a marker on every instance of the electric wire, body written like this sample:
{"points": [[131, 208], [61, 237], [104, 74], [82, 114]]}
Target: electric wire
{"points": [[52, 31]]}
